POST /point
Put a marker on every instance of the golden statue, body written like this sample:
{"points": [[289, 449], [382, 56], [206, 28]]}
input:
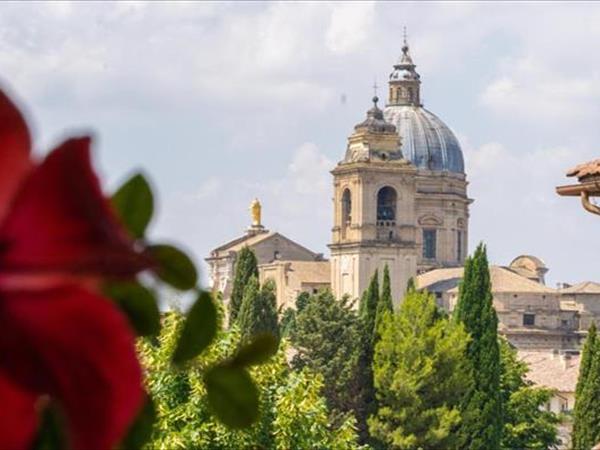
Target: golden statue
{"points": [[255, 210]]}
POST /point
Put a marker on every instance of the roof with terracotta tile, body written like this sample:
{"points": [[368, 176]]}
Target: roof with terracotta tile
{"points": [[588, 169], [586, 287], [503, 280], [552, 370]]}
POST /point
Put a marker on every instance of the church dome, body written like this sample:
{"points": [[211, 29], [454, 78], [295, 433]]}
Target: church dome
{"points": [[426, 141]]}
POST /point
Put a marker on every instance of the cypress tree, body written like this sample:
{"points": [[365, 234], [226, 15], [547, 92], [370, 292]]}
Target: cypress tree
{"points": [[246, 311], [246, 267], [482, 404], [367, 319], [385, 301], [385, 304], [368, 305], [582, 435], [268, 320], [258, 313]]}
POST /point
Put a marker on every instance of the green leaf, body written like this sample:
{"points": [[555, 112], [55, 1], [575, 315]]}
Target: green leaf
{"points": [[140, 432], [51, 430], [174, 266], [134, 204], [262, 347], [199, 329], [232, 395], [139, 304]]}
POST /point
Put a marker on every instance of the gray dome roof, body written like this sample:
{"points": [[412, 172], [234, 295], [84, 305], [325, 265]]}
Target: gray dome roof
{"points": [[426, 141]]}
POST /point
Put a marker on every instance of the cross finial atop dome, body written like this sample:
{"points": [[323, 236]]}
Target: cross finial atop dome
{"points": [[405, 59], [375, 120]]}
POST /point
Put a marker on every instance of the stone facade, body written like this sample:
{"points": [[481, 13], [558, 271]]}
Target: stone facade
{"points": [[293, 277], [270, 248], [442, 208], [531, 315]]}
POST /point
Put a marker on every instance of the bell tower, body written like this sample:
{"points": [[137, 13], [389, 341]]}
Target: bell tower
{"points": [[374, 210]]}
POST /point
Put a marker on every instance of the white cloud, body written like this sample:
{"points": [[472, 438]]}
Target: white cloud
{"points": [[209, 188], [350, 27], [534, 91], [309, 170], [233, 89], [517, 210]]}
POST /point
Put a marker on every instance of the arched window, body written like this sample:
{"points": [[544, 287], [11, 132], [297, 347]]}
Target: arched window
{"points": [[386, 203], [346, 207]]}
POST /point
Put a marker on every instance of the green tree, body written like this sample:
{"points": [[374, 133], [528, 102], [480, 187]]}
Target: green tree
{"points": [[527, 425], [368, 306], [385, 305], [288, 319], [246, 267], [302, 300], [258, 313], [420, 377], [367, 322], [287, 324], [410, 285], [482, 405], [325, 338], [586, 427], [293, 413]]}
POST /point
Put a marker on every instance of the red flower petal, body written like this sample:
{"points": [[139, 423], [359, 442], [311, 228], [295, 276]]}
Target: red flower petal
{"points": [[18, 417], [15, 146], [62, 222], [77, 347]]}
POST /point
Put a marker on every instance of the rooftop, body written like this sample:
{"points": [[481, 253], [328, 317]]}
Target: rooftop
{"points": [[585, 170], [503, 280], [586, 287], [552, 370]]}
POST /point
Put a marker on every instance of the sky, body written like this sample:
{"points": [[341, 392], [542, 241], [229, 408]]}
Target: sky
{"points": [[218, 103]]}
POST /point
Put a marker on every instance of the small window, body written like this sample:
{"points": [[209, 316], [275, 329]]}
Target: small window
{"points": [[459, 245], [276, 254], [429, 244], [528, 319]]}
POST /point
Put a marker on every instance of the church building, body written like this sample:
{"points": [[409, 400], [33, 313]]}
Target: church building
{"points": [[400, 193], [400, 199]]}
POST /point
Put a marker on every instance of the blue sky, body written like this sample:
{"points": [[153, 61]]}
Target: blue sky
{"points": [[222, 102]]}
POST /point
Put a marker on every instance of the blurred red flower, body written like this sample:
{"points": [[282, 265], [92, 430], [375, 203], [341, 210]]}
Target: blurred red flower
{"points": [[60, 339]]}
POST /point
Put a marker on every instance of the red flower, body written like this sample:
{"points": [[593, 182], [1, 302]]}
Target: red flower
{"points": [[59, 339]]}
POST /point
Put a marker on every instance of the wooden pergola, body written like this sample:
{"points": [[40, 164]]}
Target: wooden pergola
{"points": [[588, 186]]}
